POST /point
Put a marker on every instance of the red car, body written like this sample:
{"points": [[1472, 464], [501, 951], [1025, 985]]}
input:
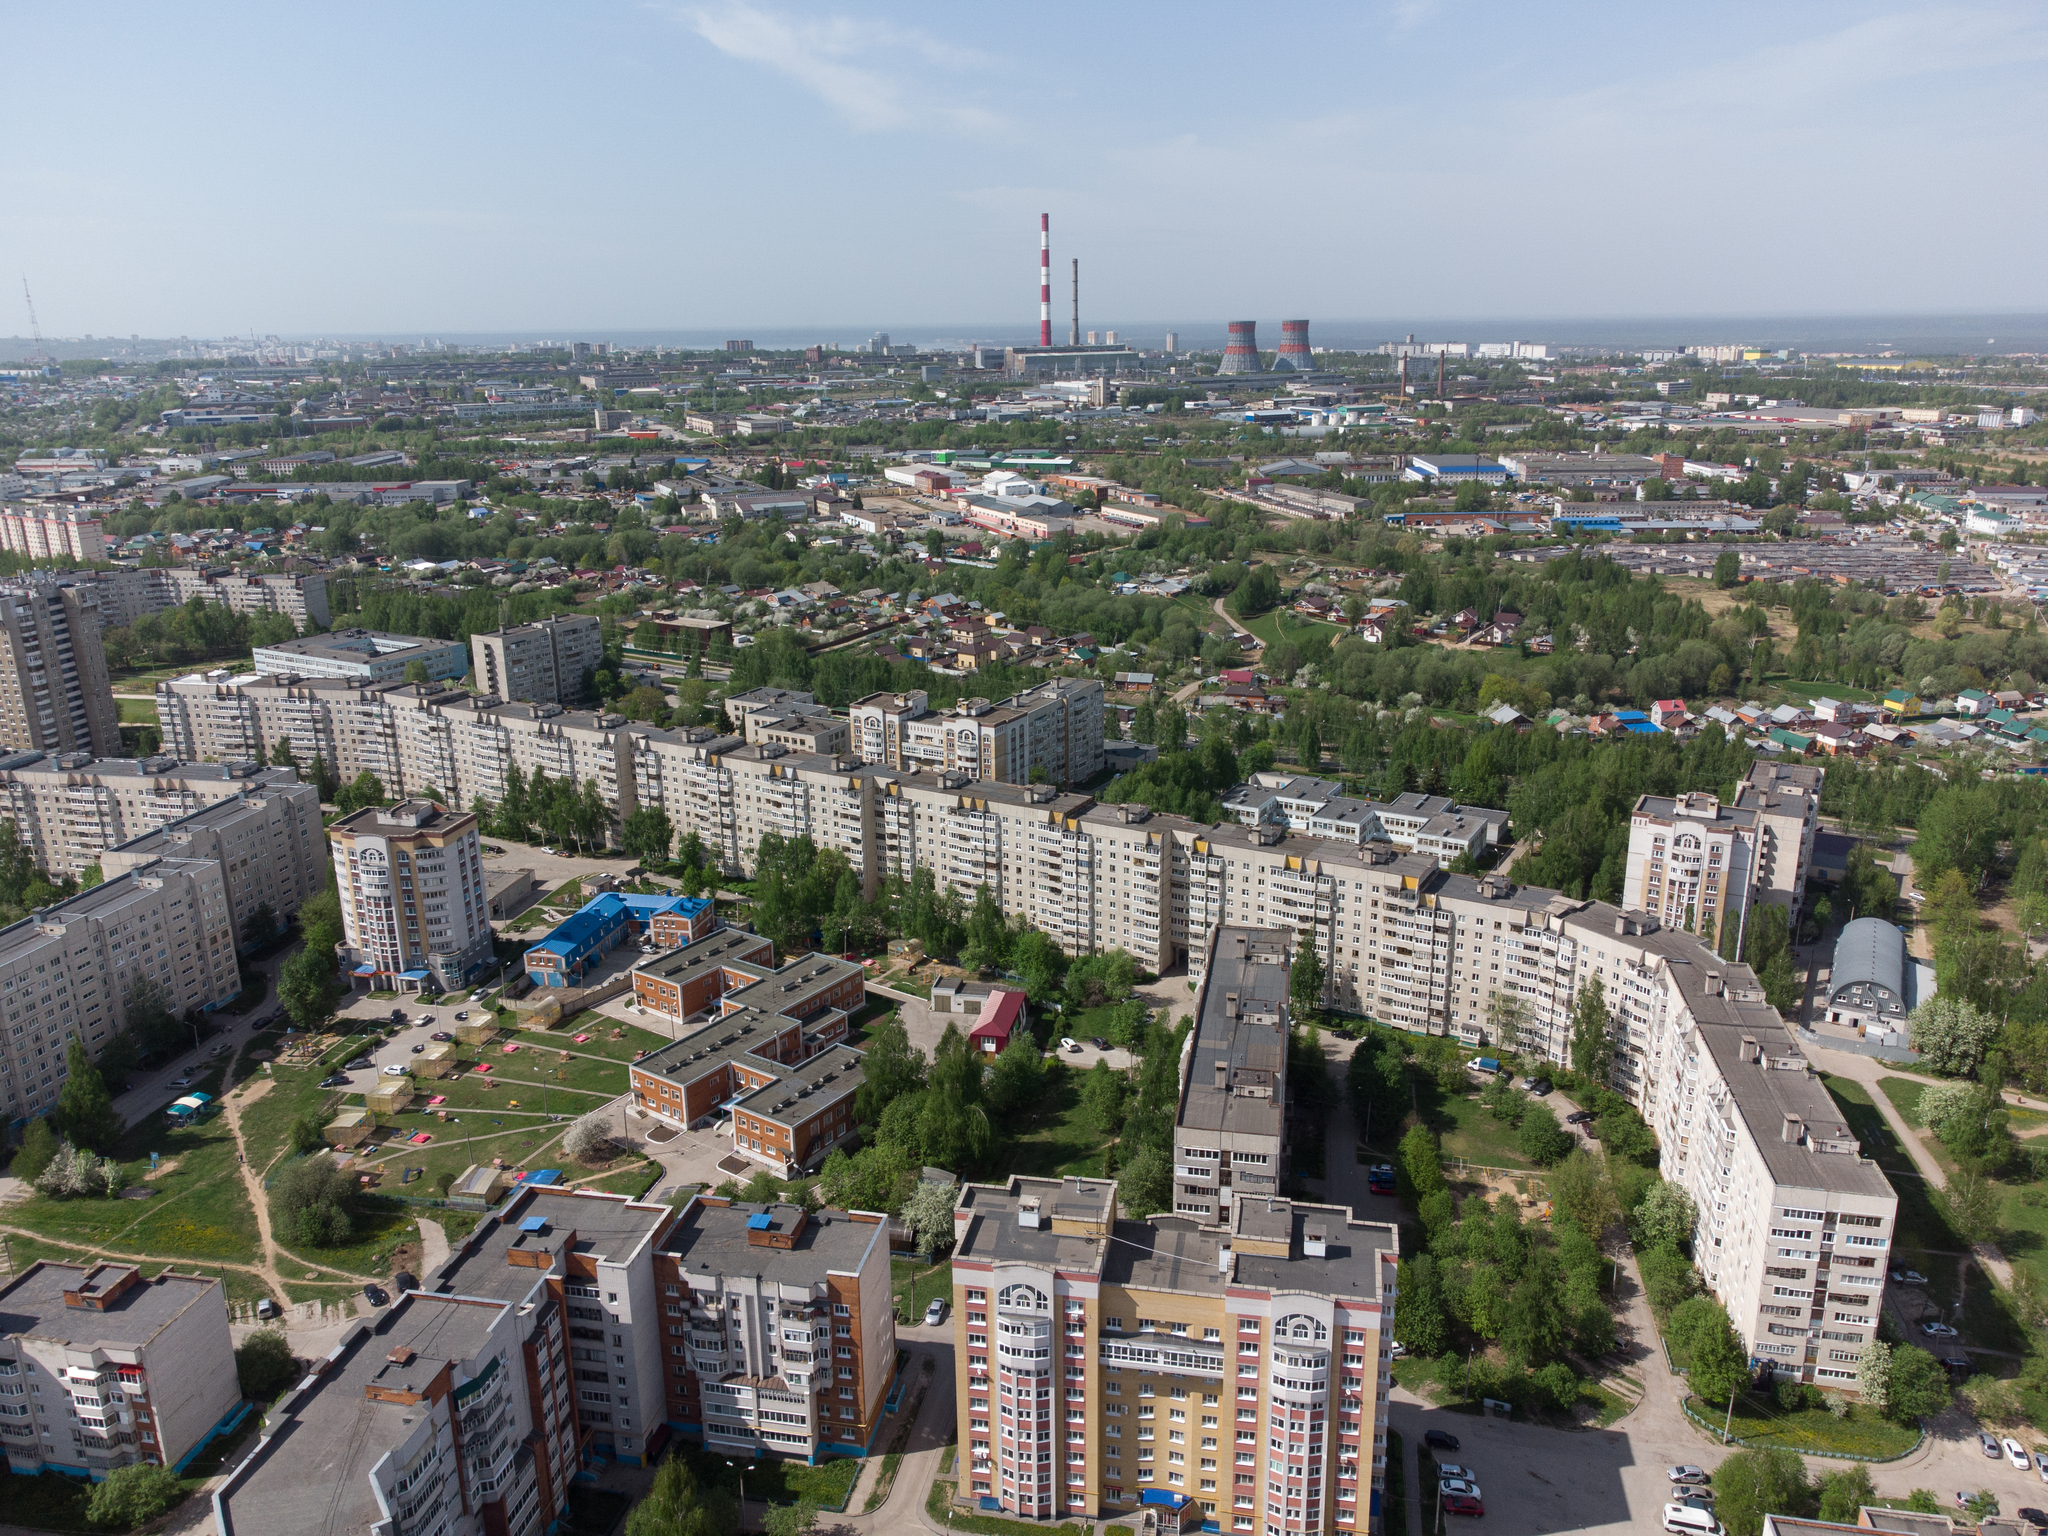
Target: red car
{"points": [[1462, 1504]]}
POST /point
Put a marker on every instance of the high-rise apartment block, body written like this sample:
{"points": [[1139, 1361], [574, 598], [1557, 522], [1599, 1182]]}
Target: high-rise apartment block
{"points": [[1229, 1132], [1691, 861], [1238, 1373], [52, 533], [1786, 800], [127, 595], [268, 842], [1056, 726], [411, 879], [540, 663], [70, 969], [54, 692], [100, 1368], [69, 808], [780, 1330]]}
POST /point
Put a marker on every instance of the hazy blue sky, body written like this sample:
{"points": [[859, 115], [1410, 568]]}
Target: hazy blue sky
{"points": [[398, 169]]}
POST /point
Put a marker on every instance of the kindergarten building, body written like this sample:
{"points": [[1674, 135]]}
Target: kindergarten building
{"points": [[600, 925]]}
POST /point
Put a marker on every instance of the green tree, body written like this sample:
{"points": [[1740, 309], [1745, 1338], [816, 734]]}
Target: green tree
{"points": [[1665, 1217], [85, 1110], [309, 1204], [1727, 569], [1102, 1098], [1421, 1322], [1420, 1167], [791, 1519], [1720, 1366], [260, 926], [131, 1495], [1536, 1321], [1145, 1184], [1845, 1492], [891, 1067], [1668, 1277], [264, 1364], [1919, 1385], [38, 1146], [1592, 1044], [674, 1507], [1874, 1375], [1951, 1033], [366, 789], [1016, 1078], [1752, 1484], [1542, 1140], [1305, 979], [647, 834], [1259, 591]]}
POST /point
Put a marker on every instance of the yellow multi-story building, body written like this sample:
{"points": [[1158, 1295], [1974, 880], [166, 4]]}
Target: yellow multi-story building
{"points": [[1238, 1373]]}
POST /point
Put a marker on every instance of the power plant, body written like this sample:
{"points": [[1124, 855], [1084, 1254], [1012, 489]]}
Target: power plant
{"points": [[1242, 355], [1294, 355]]}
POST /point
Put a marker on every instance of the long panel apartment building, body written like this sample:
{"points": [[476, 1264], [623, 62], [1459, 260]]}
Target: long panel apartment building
{"points": [[539, 663], [55, 695], [69, 808], [1237, 1374], [124, 596], [268, 841]]}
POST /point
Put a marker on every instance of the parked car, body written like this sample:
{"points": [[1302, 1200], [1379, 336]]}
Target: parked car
{"points": [[1440, 1440], [1397, 1350], [1098, 1042], [404, 1281], [182, 1082], [266, 1309], [1483, 1064], [2040, 1462], [1685, 1472], [394, 1070], [2031, 1515], [461, 1014], [1536, 1085], [1685, 1520], [376, 1295], [1909, 1277], [415, 1050], [2017, 1454], [1379, 1178], [398, 1015], [1446, 1471], [1578, 1117], [1988, 1444], [1462, 1504], [1069, 1044], [936, 1312], [337, 1080], [1935, 1329], [440, 1034], [424, 1019], [361, 1064]]}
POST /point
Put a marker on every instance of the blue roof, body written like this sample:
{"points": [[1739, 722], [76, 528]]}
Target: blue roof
{"points": [[543, 1176], [534, 1224], [1626, 715], [607, 908], [420, 975], [760, 1222], [1640, 727]]}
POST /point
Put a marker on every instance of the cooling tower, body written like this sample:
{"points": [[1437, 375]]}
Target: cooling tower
{"points": [[1242, 355], [1294, 353]]}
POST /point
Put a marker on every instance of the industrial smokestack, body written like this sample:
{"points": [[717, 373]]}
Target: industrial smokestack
{"points": [[1242, 355], [1045, 279], [1294, 353], [1074, 335]]}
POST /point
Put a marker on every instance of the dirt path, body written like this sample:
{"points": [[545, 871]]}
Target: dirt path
{"points": [[232, 1104], [1224, 614]]}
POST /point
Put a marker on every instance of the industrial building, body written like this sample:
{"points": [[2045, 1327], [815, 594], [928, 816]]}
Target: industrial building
{"points": [[363, 656]]}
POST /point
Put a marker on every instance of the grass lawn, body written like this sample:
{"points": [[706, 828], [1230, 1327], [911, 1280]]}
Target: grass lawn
{"points": [[1466, 1127], [914, 1287], [1905, 1096], [939, 1505], [778, 1481], [1829, 690], [1058, 1140], [137, 711], [1305, 635], [637, 1178], [636, 1042], [1761, 1422]]}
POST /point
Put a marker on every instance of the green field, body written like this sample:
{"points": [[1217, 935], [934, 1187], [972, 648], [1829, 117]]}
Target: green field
{"points": [[1304, 635], [1759, 1421], [915, 1288], [137, 711], [1056, 1139]]}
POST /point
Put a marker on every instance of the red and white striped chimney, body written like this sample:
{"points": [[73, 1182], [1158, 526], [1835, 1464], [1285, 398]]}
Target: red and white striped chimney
{"points": [[1242, 355], [1045, 279], [1294, 349]]}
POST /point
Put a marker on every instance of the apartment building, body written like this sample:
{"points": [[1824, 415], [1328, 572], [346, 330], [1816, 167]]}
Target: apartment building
{"points": [[54, 692], [1229, 1128], [683, 983], [100, 1368], [363, 656], [69, 808], [785, 719], [127, 595], [772, 1057], [1413, 823], [1786, 800], [594, 1256], [1691, 861], [446, 1415], [68, 970], [268, 842], [781, 1330], [411, 880], [539, 663], [1239, 1374], [52, 533], [1056, 726]]}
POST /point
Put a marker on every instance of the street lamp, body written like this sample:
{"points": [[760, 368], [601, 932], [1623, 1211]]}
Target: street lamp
{"points": [[743, 1491]]}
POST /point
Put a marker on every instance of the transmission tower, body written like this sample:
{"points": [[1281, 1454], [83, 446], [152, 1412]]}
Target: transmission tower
{"points": [[34, 325]]}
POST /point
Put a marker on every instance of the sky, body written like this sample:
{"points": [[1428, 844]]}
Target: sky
{"points": [[600, 169]]}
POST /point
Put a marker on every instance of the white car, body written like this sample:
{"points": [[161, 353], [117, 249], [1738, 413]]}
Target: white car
{"points": [[1067, 1044], [394, 1070], [2017, 1454], [1446, 1469], [1459, 1485], [1935, 1330]]}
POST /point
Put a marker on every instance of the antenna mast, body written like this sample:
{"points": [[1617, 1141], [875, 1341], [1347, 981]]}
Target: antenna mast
{"points": [[35, 326], [1074, 335]]}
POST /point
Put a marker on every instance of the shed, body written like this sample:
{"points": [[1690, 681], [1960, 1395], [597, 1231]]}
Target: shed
{"points": [[475, 1031], [441, 1059], [389, 1096], [350, 1128], [479, 1186]]}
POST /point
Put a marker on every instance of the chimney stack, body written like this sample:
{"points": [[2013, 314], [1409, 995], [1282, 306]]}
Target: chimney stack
{"points": [[1795, 1129], [1045, 279]]}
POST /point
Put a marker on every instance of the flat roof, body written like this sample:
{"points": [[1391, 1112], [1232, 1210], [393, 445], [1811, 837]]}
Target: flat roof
{"points": [[1241, 1032], [993, 1235], [34, 1305], [608, 1228], [712, 1239], [311, 1475]]}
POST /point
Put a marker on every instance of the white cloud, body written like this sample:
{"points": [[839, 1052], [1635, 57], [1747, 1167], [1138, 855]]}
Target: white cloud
{"points": [[855, 67]]}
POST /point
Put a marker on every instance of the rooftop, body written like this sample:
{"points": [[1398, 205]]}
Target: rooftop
{"points": [[711, 1238], [1237, 1062], [117, 1308], [543, 1225], [355, 645], [404, 819], [1869, 950]]}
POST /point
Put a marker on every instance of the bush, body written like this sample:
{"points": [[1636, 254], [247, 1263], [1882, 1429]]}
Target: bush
{"points": [[75, 1171], [38, 1147], [130, 1495], [1542, 1140], [264, 1364]]}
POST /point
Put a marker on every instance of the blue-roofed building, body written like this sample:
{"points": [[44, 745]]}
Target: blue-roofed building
{"points": [[600, 925]]}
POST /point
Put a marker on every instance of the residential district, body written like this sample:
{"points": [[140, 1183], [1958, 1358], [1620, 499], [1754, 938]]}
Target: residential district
{"points": [[1514, 870]]}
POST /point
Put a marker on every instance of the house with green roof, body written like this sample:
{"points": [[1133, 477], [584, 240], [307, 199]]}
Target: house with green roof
{"points": [[1900, 704]]}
